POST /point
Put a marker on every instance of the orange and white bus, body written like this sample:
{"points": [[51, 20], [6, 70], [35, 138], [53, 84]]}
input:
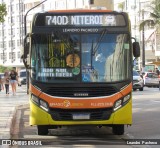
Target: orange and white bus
{"points": [[80, 69]]}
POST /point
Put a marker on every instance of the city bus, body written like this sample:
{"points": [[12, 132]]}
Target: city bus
{"points": [[80, 69]]}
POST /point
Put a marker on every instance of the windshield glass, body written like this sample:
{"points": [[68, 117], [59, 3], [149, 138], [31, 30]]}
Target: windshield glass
{"points": [[135, 73], [23, 74], [60, 58]]}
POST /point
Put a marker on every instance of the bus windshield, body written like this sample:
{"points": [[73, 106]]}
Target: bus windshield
{"points": [[82, 58]]}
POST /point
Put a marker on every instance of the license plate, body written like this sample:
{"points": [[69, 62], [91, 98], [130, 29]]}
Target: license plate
{"points": [[81, 116]]}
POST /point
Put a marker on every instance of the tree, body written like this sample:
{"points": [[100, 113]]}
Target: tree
{"points": [[3, 12], [154, 19], [121, 6], [3, 69]]}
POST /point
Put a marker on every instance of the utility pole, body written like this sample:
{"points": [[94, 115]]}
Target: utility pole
{"points": [[143, 44]]}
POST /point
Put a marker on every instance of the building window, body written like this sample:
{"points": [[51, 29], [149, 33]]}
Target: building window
{"points": [[1, 56], [9, 43], [9, 9], [17, 7], [18, 31], [19, 55], [28, 6], [12, 19], [12, 8], [13, 32], [9, 20], [12, 55], [12, 44], [18, 18], [18, 43], [3, 33], [5, 45]]}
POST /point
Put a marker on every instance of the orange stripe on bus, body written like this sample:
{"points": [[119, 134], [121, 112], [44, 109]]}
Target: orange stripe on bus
{"points": [[81, 103], [127, 90], [34, 90]]}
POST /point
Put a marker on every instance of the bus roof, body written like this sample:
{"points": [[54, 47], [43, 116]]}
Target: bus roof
{"points": [[79, 11]]}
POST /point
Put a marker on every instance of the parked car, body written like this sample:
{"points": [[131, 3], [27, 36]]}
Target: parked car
{"points": [[151, 79], [138, 82], [22, 77]]}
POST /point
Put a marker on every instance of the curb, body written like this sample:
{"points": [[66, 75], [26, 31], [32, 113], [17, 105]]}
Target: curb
{"points": [[15, 120], [8, 125]]}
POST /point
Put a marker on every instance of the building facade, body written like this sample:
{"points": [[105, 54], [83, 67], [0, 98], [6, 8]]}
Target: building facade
{"points": [[11, 34], [138, 11], [12, 31]]}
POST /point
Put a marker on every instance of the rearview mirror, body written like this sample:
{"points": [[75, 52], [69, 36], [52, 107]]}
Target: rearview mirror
{"points": [[136, 49], [26, 50]]}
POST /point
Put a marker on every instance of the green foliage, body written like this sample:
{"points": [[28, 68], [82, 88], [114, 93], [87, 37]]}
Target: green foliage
{"points": [[121, 6], [3, 69], [3, 12], [154, 19]]}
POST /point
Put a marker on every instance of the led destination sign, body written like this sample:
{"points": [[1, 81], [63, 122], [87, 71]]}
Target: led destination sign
{"points": [[86, 20]]}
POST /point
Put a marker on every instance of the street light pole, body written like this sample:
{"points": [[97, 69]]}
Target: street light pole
{"points": [[25, 32], [25, 17]]}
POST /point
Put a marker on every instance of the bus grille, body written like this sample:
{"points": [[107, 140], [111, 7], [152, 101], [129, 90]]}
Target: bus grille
{"points": [[67, 114], [81, 91]]}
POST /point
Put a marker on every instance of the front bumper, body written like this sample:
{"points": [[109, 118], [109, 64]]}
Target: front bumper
{"points": [[38, 116]]}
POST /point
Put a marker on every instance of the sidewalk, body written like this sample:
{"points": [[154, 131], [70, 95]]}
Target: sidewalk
{"points": [[8, 107]]}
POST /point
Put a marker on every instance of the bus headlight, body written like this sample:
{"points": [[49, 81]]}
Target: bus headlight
{"points": [[39, 102], [126, 98], [35, 99], [118, 104], [43, 105], [121, 102]]}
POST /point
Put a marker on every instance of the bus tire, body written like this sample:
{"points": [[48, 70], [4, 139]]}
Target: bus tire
{"points": [[141, 89], [118, 129], [42, 129]]}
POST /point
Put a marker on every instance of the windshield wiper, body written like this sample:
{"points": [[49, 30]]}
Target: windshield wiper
{"points": [[98, 43]]}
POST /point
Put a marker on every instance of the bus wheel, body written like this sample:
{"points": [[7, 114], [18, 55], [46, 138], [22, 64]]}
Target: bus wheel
{"points": [[42, 129], [118, 129]]}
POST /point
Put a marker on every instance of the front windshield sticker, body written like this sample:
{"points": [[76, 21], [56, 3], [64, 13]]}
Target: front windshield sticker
{"points": [[89, 74], [126, 46], [73, 60], [76, 71], [86, 78], [54, 72]]}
